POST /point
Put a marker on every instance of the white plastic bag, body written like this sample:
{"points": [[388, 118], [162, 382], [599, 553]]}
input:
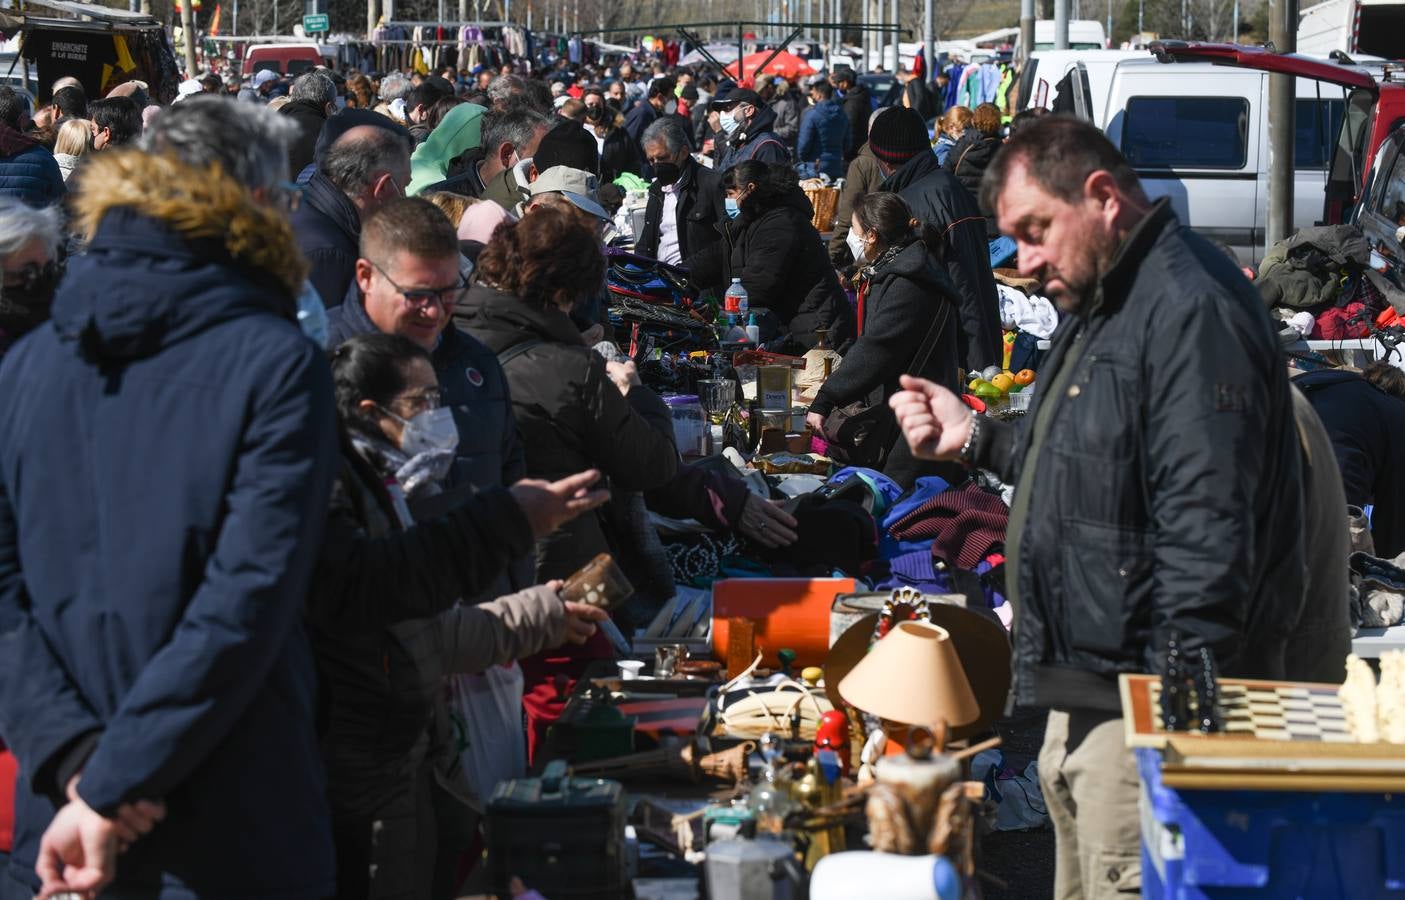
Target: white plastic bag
{"points": [[487, 712]]}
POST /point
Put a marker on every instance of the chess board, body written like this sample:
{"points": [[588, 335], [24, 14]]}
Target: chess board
{"points": [[1258, 710]]}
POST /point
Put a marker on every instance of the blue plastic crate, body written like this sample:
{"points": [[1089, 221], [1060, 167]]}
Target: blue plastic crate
{"points": [[1268, 844]]}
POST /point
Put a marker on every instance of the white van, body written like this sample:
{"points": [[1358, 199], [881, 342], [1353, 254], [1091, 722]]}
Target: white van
{"points": [[1198, 133]]}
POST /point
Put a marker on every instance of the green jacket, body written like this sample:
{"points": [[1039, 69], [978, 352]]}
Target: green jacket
{"points": [[461, 130]]}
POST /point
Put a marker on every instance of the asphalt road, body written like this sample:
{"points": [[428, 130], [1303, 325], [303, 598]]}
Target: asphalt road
{"points": [[1022, 860]]}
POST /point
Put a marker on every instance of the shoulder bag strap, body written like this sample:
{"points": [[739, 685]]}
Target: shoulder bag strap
{"points": [[516, 350]]}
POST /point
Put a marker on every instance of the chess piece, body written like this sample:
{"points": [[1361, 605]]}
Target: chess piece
{"points": [[1207, 694], [1175, 698]]}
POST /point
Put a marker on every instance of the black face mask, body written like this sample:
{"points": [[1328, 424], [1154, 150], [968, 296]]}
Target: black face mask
{"points": [[25, 304], [614, 102], [667, 173], [595, 113]]}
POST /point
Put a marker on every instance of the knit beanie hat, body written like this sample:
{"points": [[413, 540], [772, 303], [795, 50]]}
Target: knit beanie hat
{"points": [[898, 135]]}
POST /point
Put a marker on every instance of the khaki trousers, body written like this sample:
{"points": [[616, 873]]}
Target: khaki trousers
{"points": [[1089, 780]]}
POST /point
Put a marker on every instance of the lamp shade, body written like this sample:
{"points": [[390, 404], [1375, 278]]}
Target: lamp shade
{"points": [[914, 677]]}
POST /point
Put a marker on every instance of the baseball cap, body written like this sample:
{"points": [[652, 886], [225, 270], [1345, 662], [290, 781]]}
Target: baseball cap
{"points": [[843, 73], [263, 77], [740, 95], [575, 185]]}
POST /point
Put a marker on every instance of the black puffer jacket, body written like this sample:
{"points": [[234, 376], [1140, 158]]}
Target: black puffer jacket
{"points": [[619, 155], [908, 296], [968, 161], [328, 230], [783, 265], [939, 200], [858, 107], [699, 212], [1157, 479], [570, 415]]}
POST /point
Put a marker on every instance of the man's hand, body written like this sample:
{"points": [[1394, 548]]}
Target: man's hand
{"points": [[816, 422], [625, 375], [935, 422], [78, 852], [766, 523], [550, 504]]}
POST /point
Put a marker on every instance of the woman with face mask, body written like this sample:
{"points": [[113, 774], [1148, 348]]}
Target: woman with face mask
{"points": [[908, 323], [385, 629], [770, 243], [606, 124]]}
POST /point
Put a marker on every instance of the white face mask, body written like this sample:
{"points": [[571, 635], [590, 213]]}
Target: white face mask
{"points": [[431, 430], [856, 245]]}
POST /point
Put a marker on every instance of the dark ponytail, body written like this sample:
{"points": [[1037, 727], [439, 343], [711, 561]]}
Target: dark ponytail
{"points": [[888, 216], [371, 367]]}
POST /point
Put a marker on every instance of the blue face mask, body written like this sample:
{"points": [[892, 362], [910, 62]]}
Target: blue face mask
{"points": [[312, 316], [733, 208], [729, 122]]}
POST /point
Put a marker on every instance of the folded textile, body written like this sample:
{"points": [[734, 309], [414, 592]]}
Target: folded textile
{"points": [[965, 525], [1034, 315]]}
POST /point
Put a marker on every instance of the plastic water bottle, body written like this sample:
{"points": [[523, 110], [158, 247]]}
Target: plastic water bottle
{"points": [[736, 301]]}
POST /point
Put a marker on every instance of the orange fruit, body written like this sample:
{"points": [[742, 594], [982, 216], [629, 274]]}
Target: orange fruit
{"points": [[1024, 376]]}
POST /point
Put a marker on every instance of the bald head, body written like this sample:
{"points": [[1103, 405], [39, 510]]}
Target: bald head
{"points": [[369, 164]]}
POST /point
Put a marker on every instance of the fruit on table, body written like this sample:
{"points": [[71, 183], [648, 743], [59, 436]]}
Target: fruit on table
{"points": [[990, 372], [1003, 382], [1015, 388], [974, 383], [1024, 376], [987, 391]]}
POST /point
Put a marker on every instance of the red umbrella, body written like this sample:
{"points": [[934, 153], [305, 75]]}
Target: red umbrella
{"points": [[785, 64]]}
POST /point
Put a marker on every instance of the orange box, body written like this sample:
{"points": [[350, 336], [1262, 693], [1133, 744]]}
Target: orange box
{"points": [[790, 613]]}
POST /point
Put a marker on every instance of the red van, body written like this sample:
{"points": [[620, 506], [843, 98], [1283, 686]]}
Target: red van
{"points": [[289, 60]]}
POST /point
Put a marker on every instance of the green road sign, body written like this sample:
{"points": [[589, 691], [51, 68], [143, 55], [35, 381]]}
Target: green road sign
{"points": [[316, 24]]}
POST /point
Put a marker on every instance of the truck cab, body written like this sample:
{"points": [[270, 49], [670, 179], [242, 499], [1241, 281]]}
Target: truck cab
{"points": [[287, 60]]}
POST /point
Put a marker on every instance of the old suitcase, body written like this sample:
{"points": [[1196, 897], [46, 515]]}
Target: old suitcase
{"points": [[563, 836]]}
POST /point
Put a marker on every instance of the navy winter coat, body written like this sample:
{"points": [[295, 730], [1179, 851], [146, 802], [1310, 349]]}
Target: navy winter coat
{"points": [[328, 229], [28, 171], [824, 137], [169, 445]]}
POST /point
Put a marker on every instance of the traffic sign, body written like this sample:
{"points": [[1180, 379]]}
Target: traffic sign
{"points": [[316, 24]]}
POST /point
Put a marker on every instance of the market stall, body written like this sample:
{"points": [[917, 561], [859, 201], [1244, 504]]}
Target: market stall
{"points": [[100, 46]]}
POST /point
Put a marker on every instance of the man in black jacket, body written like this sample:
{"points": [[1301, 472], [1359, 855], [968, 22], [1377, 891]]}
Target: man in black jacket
{"points": [[313, 101], [659, 102], [1157, 482], [1367, 427], [363, 161], [685, 200], [899, 142], [858, 106]]}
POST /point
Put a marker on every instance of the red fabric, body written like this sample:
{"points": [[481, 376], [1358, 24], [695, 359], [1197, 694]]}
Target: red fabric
{"points": [[1341, 323], [964, 524], [542, 701], [9, 771], [863, 299]]}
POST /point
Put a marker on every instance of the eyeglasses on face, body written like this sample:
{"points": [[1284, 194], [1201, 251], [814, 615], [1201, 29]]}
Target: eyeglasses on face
{"points": [[421, 298]]}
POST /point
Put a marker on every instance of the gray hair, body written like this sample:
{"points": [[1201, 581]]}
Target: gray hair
{"points": [[666, 130], [503, 88], [394, 86], [351, 161], [21, 223], [248, 140], [314, 87], [516, 126]]}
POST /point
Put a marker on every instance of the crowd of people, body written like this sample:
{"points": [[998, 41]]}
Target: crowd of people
{"points": [[310, 403]]}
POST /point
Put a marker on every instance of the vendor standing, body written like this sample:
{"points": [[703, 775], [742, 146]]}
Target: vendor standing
{"points": [[1157, 475], [770, 243]]}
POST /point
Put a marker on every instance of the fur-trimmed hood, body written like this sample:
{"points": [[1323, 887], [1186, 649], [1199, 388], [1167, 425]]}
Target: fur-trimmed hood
{"points": [[173, 250]]}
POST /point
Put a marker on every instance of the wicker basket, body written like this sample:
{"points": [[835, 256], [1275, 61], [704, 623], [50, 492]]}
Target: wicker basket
{"points": [[825, 201]]}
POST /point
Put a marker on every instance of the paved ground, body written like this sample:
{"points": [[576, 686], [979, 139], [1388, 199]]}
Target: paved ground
{"points": [[1023, 860]]}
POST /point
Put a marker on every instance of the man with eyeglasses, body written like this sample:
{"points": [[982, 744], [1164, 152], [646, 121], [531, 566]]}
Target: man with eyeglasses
{"points": [[407, 281]]}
